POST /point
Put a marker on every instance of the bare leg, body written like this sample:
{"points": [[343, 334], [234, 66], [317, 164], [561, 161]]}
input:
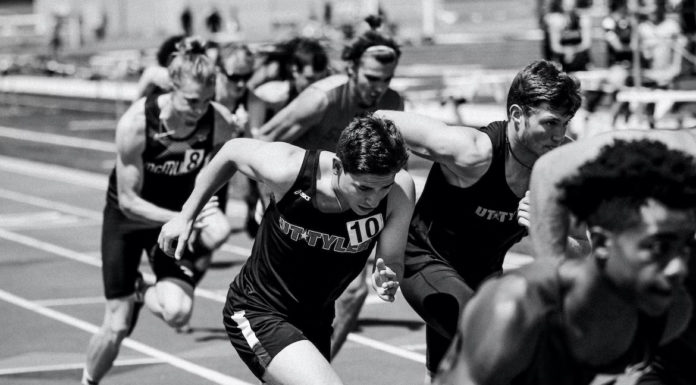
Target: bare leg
{"points": [[300, 363], [104, 346], [171, 300], [348, 308]]}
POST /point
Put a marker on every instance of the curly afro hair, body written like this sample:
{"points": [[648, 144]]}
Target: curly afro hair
{"points": [[609, 190]]}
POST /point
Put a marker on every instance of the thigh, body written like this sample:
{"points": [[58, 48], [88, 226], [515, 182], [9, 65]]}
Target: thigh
{"points": [[259, 335], [300, 363], [121, 248]]}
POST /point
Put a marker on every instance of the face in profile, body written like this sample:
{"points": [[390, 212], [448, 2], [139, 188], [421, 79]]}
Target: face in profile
{"points": [[364, 192], [543, 128], [371, 80], [190, 100], [648, 261]]}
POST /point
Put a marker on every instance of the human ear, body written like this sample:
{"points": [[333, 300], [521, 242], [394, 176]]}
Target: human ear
{"points": [[599, 242], [516, 114], [336, 166]]}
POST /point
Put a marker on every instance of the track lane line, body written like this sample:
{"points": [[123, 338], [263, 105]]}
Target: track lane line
{"points": [[173, 360]]}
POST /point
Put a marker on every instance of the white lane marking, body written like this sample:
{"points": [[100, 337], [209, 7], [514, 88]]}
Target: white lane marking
{"points": [[50, 204], [69, 301], [41, 220], [58, 140], [75, 366], [54, 173], [403, 353], [173, 360], [221, 298]]}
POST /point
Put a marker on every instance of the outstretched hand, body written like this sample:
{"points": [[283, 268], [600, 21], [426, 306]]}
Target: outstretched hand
{"points": [[384, 281], [177, 233], [523, 211]]}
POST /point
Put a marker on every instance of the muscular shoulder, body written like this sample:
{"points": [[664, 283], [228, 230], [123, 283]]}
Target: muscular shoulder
{"points": [[130, 131], [330, 83], [273, 92]]}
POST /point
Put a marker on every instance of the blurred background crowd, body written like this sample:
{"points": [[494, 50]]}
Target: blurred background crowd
{"points": [[466, 50]]}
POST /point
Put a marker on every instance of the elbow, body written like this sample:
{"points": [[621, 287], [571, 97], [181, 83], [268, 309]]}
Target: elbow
{"points": [[127, 206]]}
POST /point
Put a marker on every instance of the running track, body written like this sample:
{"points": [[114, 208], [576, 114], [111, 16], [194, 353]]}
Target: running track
{"points": [[50, 281]]}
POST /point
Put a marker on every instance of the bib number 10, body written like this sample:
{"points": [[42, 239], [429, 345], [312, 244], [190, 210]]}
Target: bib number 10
{"points": [[364, 229]]}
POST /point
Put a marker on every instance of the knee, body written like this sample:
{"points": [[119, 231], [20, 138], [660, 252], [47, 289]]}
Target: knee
{"points": [[216, 231], [177, 313]]}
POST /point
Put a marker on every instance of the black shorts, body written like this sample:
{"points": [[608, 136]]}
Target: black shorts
{"points": [[122, 244], [438, 293], [258, 332]]}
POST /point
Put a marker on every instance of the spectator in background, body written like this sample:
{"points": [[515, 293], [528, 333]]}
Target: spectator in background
{"points": [[618, 34], [661, 46], [187, 21], [569, 35]]}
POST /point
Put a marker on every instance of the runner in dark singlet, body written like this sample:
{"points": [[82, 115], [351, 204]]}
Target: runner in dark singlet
{"points": [[565, 320], [328, 212], [473, 207], [162, 143], [315, 118]]}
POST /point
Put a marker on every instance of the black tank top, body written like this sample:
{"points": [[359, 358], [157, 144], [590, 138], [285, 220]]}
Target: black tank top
{"points": [[170, 165], [553, 362], [571, 33], [469, 228], [302, 258]]}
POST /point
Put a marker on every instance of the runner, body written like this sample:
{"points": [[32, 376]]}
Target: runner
{"points": [[673, 363], [315, 118], [162, 143], [547, 322], [474, 205], [328, 212]]}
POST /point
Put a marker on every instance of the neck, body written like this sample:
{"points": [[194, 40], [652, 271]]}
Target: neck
{"points": [[336, 191], [517, 152]]}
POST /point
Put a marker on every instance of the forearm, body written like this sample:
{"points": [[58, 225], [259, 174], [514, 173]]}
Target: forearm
{"points": [[140, 210], [211, 178]]}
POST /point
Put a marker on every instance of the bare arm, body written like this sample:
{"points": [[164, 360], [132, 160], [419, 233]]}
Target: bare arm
{"points": [[551, 221], [130, 144], [296, 118], [226, 126], [391, 244], [496, 338], [275, 164], [465, 151]]}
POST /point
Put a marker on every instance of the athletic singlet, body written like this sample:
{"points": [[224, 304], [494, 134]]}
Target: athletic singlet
{"points": [[302, 258], [469, 228], [676, 359], [553, 363], [170, 165], [571, 33], [341, 109]]}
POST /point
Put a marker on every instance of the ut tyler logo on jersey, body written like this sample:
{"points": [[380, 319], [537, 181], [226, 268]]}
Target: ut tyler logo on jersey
{"points": [[495, 215], [360, 234]]}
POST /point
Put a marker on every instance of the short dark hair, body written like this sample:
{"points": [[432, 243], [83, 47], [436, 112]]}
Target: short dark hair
{"points": [[371, 145], [167, 49], [541, 82], [609, 190], [371, 38], [307, 51]]}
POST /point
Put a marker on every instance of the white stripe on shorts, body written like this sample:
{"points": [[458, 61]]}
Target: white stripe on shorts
{"points": [[243, 324]]}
